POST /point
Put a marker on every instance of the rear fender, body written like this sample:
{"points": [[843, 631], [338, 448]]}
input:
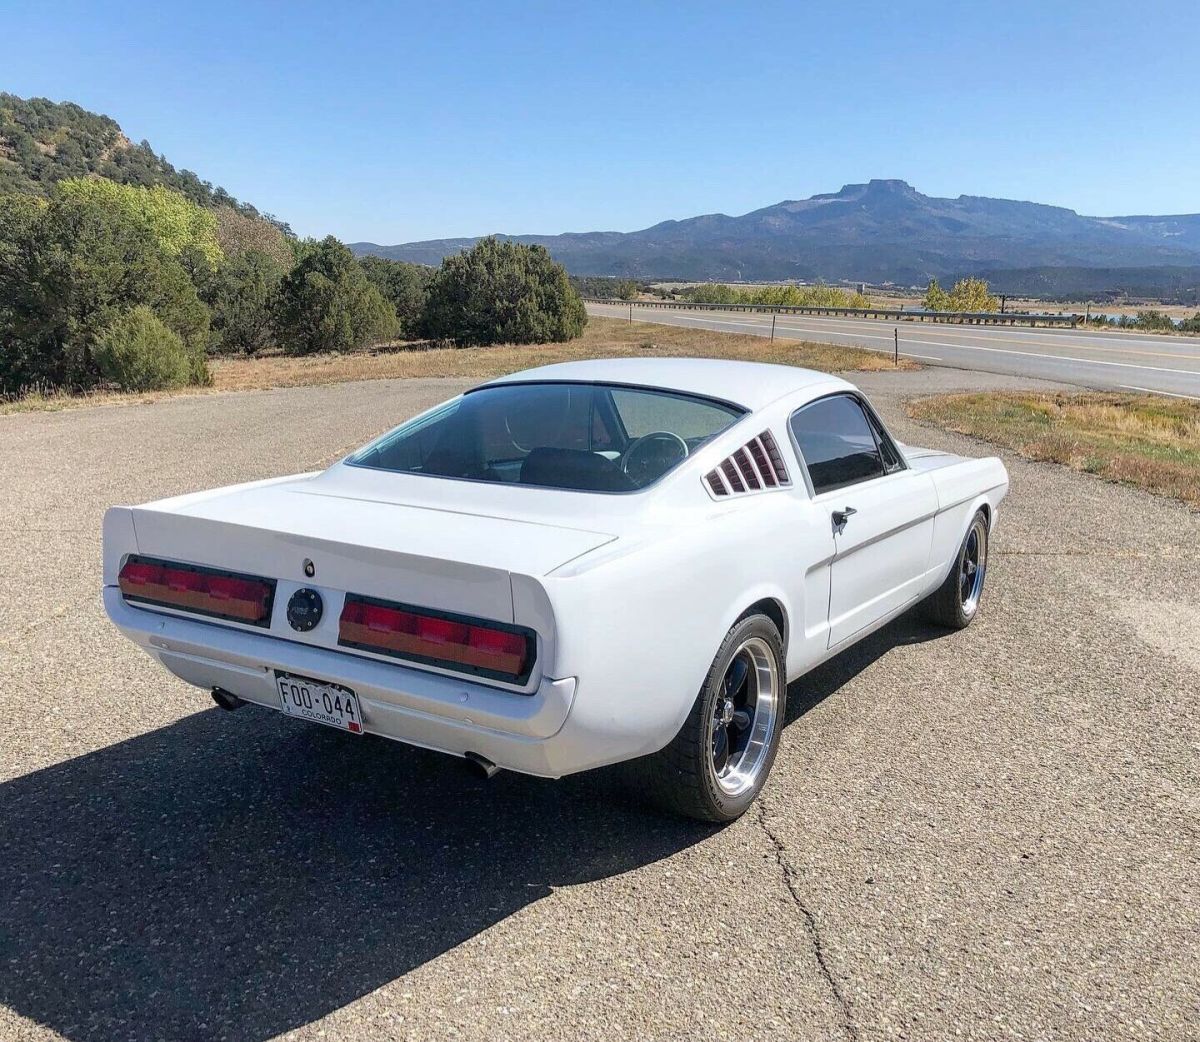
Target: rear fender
{"points": [[641, 630], [960, 498], [120, 540]]}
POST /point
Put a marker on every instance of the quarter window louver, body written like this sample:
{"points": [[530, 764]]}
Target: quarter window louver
{"points": [[732, 475], [756, 466]]}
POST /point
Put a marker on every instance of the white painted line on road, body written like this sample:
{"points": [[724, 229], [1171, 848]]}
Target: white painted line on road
{"points": [[1067, 358], [953, 347], [1151, 390], [853, 327], [915, 336], [928, 358]]}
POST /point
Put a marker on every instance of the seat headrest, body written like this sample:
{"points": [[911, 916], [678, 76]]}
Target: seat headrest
{"points": [[574, 468]]}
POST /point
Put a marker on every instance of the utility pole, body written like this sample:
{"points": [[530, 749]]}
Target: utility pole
{"points": [[1003, 302], [896, 346], [772, 327]]}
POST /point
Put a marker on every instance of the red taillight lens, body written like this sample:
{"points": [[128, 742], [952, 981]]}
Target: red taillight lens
{"points": [[243, 598], [138, 573], [454, 642]]}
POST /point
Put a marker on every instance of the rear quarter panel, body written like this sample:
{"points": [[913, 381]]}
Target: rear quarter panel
{"points": [[639, 622], [963, 487]]}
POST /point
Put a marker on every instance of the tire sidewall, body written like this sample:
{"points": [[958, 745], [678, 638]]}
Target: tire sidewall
{"points": [[723, 805], [980, 520]]}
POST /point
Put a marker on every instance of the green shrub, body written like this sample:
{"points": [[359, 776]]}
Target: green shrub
{"points": [[239, 294], [327, 303], [503, 293], [137, 352], [1158, 320], [818, 296], [404, 286], [607, 286], [1190, 325], [68, 268]]}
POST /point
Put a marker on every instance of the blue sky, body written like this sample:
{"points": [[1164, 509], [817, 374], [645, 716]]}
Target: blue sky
{"points": [[393, 122]]}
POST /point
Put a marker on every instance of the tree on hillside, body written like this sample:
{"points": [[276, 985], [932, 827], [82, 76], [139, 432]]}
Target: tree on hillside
{"points": [[972, 295], [404, 286], [327, 303], [68, 269], [240, 295], [238, 232], [503, 292], [45, 142], [936, 298], [174, 221]]}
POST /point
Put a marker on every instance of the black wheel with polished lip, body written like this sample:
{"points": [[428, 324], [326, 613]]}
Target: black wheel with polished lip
{"points": [[719, 761], [956, 602]]}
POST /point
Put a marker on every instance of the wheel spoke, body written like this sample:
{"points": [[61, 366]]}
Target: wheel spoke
{"points": [[720, 747], [741, 719], [735, 676]]}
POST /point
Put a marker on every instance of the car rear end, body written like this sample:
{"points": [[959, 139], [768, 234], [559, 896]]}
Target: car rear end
{"points": [[426, 626]]}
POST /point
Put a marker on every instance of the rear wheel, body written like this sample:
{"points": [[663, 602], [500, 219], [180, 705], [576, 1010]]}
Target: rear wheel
{"points": [[720, 759], [956, 601]]}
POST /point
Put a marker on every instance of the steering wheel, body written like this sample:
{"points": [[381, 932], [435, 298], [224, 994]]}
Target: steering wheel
{"points": [[670, 449]]}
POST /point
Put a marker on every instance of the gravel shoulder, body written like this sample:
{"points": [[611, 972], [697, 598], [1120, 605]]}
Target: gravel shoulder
{"points": [[989, 834]]}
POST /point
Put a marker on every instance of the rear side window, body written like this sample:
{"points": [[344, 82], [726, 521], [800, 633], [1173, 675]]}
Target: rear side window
{"points": [[837, 442]]}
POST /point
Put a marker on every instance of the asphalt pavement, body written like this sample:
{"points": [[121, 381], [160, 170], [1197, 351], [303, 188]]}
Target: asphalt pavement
{"points": [[1111, 361], [992, 834]]}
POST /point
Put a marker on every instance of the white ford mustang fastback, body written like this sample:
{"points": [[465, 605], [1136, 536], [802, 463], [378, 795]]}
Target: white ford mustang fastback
{"points": [[567, 567]]}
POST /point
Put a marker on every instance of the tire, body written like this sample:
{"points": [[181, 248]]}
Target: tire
{"points": [[956, 602], [684, 778]]}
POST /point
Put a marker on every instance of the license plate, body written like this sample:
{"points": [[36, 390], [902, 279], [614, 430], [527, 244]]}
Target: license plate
{"points": [[327, 704]]}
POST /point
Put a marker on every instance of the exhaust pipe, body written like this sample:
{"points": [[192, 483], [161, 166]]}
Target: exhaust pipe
{"points": [[480, 766], [226, 699]]}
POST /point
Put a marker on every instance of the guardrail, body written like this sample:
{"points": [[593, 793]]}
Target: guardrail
{"points": [[970, 318]]}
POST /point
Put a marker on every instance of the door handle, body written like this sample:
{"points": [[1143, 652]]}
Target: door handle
{"points": [[840, 517]]}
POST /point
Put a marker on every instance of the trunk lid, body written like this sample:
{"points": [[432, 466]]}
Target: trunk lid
{"points": [[450, 559]]}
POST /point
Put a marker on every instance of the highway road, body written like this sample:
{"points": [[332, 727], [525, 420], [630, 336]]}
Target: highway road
{"points": [[1109, 361]]}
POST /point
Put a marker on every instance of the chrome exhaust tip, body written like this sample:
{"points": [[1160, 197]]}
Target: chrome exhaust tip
{"points": [[226, 699], [480, 766]]}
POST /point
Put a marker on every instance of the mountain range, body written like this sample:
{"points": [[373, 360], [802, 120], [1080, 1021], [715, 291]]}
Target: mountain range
{"points": [[879, 232]]}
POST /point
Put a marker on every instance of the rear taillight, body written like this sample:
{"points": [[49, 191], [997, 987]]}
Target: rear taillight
{"points": [[491, 649], [206, 591]]}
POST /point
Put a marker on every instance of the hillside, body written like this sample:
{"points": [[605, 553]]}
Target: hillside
{"points": [[882, 231], [43, 141]]}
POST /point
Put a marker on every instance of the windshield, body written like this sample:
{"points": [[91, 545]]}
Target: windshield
{"points": [[587, 437]]}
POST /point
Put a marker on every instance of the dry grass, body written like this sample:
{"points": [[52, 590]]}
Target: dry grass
{"points": [[603, 338], [1145, 440]]}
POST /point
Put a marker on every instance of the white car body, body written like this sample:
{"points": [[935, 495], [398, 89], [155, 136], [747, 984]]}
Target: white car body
{"points": [[629, 595]]}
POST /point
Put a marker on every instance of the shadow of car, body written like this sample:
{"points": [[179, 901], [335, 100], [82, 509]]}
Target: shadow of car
{"points": [[251, 875]]}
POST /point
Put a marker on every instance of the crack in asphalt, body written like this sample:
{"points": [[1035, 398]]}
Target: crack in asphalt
{"points": [[810, 922]]}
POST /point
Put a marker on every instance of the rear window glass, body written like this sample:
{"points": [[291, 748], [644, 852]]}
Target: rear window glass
{"points": [[587, 437]]}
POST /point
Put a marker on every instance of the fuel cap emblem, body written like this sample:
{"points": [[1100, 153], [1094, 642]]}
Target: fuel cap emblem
{"points": [[304, 610]]}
